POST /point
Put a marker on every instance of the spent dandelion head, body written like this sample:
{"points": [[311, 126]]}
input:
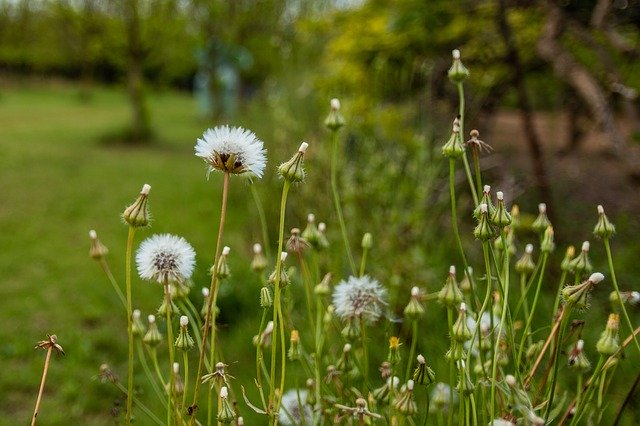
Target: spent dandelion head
{"points": [[232, 150], [165, 258], [97, 250], [361, 297], [294, 409], [50, 343]]}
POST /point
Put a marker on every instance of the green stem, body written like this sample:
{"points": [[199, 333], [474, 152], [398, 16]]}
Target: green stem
{"points": [[475, 155], [556, 302], [154, 360], [170, 343], [467, 170], [336, 199], [615, 285], [209, 323], [587, 393], [185, 363], [263, 221], [503, 317], [276, 305], [105, 267], [365, 351], [140, 405], [555, 363], [412, 351], [452, 367], [525, 302], [132, 231], [533, 307], [259, 358], [148, 372], [363, 262]]}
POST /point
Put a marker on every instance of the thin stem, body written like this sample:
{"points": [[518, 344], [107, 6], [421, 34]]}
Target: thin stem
{"points": [[42, 381], [365, 351], [276, 304], [467, 170], [185, 363], [172, 376], [213, 291], [132, 231], [148, 372], [363, 262], [336, 198], [615, 285], [259, 358], [263, 221], [140, 405], [556, 302], [503, 317], [533, 307], [452, 367], [154, 360], [555, 363], [475, 155], [525, 302], [105, 267], [412, 351]]}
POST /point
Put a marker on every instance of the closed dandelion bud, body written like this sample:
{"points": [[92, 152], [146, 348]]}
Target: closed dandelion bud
{"points": [[205, 304], [137, 214], [97, 250], [328, 314], [608, 343], [184, 342], [266, 300], [458, 72], [631, 297], [311, 393], [450, 295], [334, 120], [293, 170], [577, 296], [164, 307], [323, 242], [456, 352], [542, 221], [525, 265], [460, 331], [498, 243], [405, 403], [294, 346], [222, 267], [295, 243], [311, 233], [178, 386], [345, 363], [581, 264], [414, 308], [367, 241], [483, 230], [565, 265], [465, 386], [351, 330], [515, 217], [284, 278], [454, 148], [394, 350], [604, 228], [323, 289], [137, 327], [500, 216], [547, 245], [225, 412], [465, 284], [153, 336], [259, 261], [423, 374], [577, 359], [486, 199]]}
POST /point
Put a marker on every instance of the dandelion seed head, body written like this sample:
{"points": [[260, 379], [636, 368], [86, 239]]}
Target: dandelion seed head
{"points": [[361, 297], [232, 150], [293, 408], [165, 258]]}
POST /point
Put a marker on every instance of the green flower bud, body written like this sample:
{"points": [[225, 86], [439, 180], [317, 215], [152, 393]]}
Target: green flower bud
{"points": [[500, 216], [609, 342], [323, 289], [259, 262], [577, 359], [577, 296], [547, 245], [515, 217], [367, 241], [525, 265], [581, 265], [423, 374], [458, 72], [334, 120], [293, 170], [266, 300], [97, 250], [284, 278], [414, 308], [294, 346], [604, 228], [566, 262], [153, 336], [222, 267], [137, 214], [542, 222], [454, 148], [137, 327], [184, 342], [465, 386], [450, 295], [405, 403], [394, 350], [351, 330], [460, 331], [486, 199], [483, 230], [225, 412]]}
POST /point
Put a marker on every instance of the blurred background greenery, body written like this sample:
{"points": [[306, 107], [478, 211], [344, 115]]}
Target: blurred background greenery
{"points": [[99, 97]]}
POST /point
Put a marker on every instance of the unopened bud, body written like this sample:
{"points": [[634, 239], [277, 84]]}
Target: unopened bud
{"points": [[137, 214]]}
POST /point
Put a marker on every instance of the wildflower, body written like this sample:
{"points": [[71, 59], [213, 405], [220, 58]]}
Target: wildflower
{"points": [[137, 214], [184, 341], [232, 150], [486, 199], [577, 359], [458, 72], [450, 295], [547, 245], [294, 347], [361, 298], [222, 267], [165, 258], [97, 250], [608, 344], [394, 353], [296, 243], [453, 148], [50, 344], [137, 327], [500, 216], [565, 265], [293, 170], [218, 377], [581, 264], [476, 143], [423, 374], [153, 336], [405, 403], [225, 412], [360, 410], [577, 296], [484, 230], [334, 120], [525, 265], [259, 262], [604, 228], [293, 408], [542, 221], [414, 308], [461, 332]]}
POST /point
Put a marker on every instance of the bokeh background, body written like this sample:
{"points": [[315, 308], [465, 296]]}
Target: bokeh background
{"points": [[98, 97]]}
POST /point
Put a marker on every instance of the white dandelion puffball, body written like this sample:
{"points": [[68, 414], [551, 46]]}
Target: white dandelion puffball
{"points": [[233, 150], [166, 259], [294, 410], [361, 297]]}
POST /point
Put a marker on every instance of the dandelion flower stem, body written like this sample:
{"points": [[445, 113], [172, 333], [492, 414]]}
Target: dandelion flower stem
{"points": [[147, 370], [533, 306], [172, 376], [132, 232], [263, 221], [336, 198], [615, 286], [467, 169], [105, 267], [185, 362], [44, 379], [412, 351], [210, 317]]}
